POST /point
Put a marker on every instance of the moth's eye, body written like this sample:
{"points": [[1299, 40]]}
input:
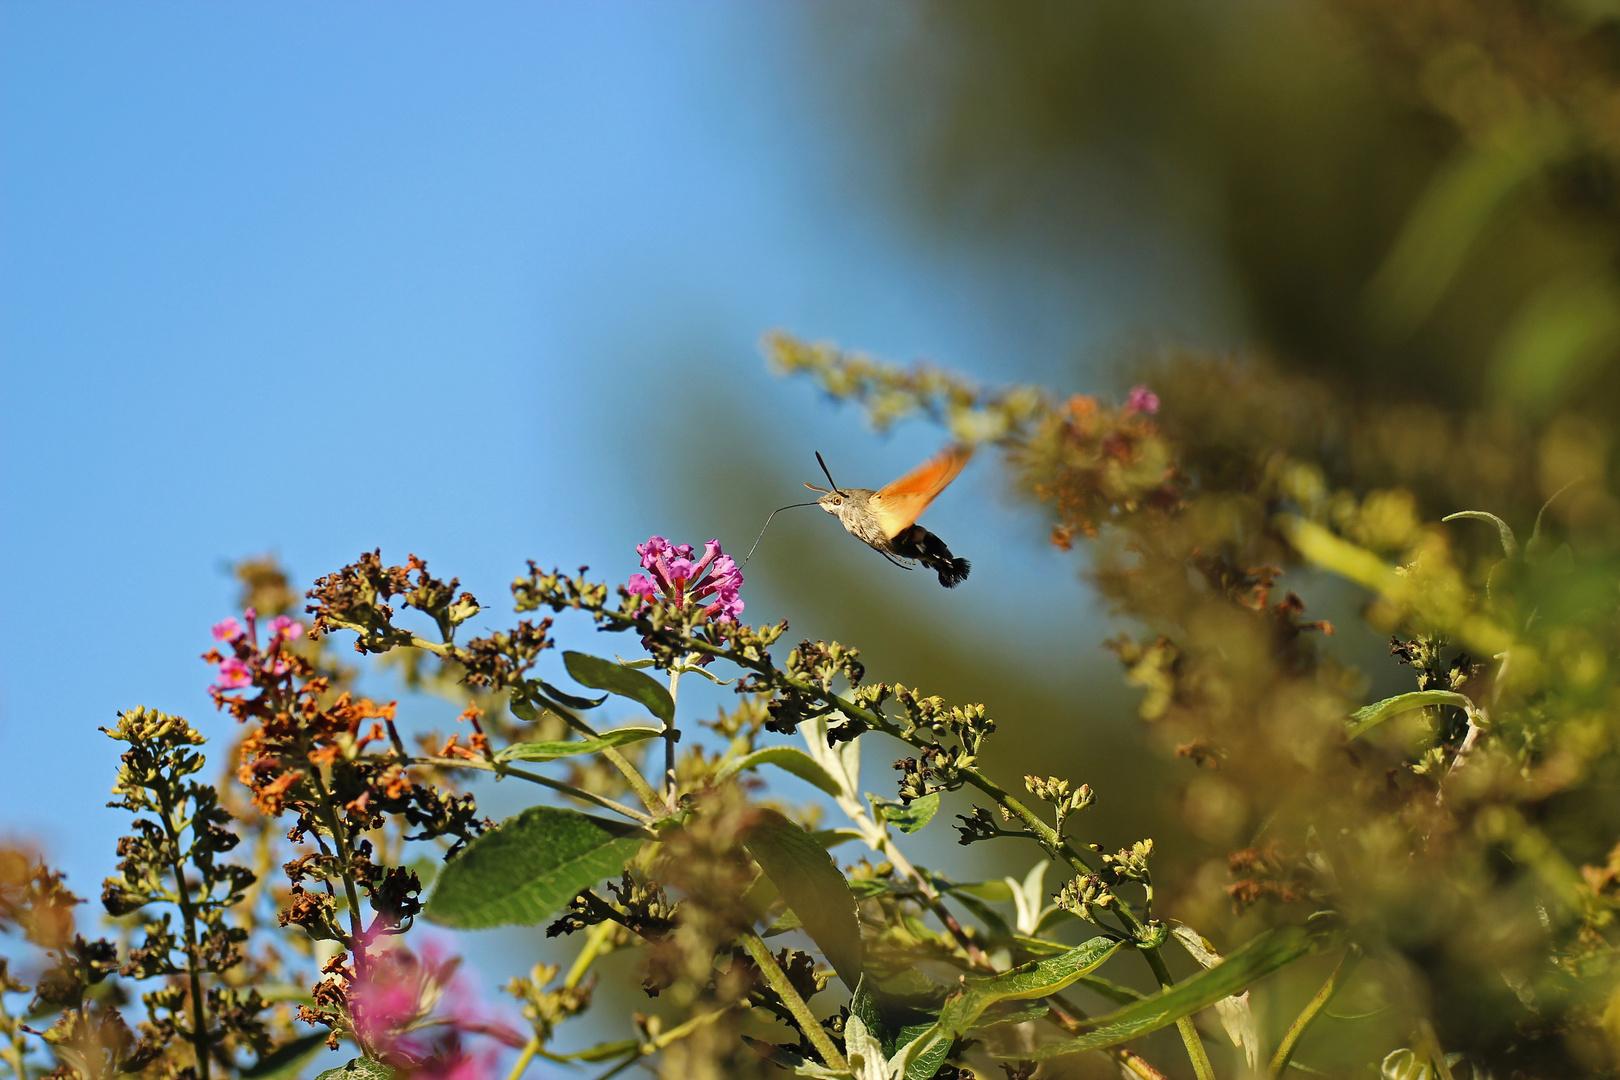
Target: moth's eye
{"points": [[838, 502]]}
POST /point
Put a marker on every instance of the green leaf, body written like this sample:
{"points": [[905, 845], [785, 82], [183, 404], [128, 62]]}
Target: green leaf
{"points": [[601, 1051], [1267, 953], [907, 817], [358, 1069], [984, 890], [790, 758], [600, 674], [573, 701], [813, 887], [1368, 717], [545, 751], [1510, 544], [288, 1059], [529, 867], [997, 926], [865, 1006], [1037, 979]]}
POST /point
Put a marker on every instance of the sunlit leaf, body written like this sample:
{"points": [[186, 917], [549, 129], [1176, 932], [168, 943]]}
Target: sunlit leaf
{"points": [[1368, 717], [600, 674], [1269, 952], [359, 1069], [545, 751], [907, 817], [528, 868], [788, 758], [1037, 979], [813, 887]]}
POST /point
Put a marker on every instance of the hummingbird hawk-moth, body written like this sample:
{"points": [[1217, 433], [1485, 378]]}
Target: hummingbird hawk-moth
{"points": [[886, 519]]}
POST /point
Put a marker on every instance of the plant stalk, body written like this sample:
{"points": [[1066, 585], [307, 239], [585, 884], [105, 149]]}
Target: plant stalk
{"points": [[760, 953], [199, 1014], [1313, 1009]]}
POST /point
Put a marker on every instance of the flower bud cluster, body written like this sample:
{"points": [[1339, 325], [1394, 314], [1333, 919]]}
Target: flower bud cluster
{"points": [[1055, 791], [1082, 896], [546, 1009], [1131, 862]]}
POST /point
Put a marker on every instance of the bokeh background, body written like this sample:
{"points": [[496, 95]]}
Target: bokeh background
{"points": [[486, 283]]}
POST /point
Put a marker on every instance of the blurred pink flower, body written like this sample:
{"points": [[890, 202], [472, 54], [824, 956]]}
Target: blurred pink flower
{"points": [[413, 1010], [1142, 400], [284, 629], [227, 630], [233, 674]]}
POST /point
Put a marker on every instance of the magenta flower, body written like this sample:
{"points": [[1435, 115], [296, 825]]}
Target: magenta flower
{"points": [[413, 1011], [284, 629], [1142, 400], [233, 675], [228, 630], [715, 577]]}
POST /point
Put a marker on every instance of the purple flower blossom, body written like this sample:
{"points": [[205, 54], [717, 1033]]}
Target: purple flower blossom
{"points": [[679, 580], [284, 629], [228, 630], [233, 674], [1142, 400]]}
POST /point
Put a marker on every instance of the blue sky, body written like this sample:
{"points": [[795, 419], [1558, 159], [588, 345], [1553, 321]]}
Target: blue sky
{"points": [[448, 279]]}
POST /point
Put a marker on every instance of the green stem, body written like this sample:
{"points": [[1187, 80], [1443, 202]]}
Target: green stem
{"points": [[530, 1048], [1313, 1009], [13, 1050], [778, 981], [188, 915], [340, 840], [595, 939], [671, 734], [1189, 1032], [535, 778]]}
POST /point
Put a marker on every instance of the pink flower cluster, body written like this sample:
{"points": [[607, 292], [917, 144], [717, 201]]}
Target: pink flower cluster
{"points": [[677, 579], [413, 1010], [1142, 400], [236, 671]]}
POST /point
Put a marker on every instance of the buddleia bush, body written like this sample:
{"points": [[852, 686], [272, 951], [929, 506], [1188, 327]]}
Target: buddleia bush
{"points": [[1414, 885]]}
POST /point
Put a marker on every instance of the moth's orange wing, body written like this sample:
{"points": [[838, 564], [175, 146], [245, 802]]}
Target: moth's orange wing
{"points": [[901, 503]]}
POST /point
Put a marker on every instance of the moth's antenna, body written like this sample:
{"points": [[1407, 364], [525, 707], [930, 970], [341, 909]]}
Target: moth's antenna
{"points": [[830, 480], [767, 525]]}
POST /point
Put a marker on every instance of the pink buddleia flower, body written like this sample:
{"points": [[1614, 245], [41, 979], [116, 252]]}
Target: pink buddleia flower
{"points": [[1142, 400], [228, 630], [413, 1010], [284, 629], [676, 579], [233, 675]]}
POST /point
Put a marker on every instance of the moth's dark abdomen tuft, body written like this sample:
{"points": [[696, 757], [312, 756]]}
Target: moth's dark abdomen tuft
{"points": [[920, 544]]}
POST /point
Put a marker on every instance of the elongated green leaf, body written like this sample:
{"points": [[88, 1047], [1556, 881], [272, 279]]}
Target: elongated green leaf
{"points": [[1033, 980], [600, 1052], [1245, 966], [359, 1069], [600, 674], [789, 758], [545, 751], [288, 1059], [984, 890], [528, 868], [812, 887], [907, 817], [573, 701], [1368, 717]]}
